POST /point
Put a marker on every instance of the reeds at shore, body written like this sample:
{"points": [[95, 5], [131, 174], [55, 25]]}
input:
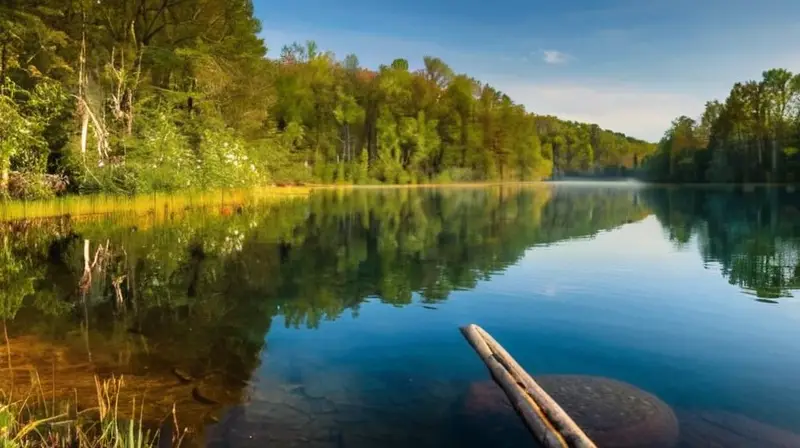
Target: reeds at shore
{"points": [[36, 421], [150, 203]]}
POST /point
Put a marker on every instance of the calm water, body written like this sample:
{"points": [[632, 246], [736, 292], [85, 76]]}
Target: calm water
{"points": [[332, 321]]}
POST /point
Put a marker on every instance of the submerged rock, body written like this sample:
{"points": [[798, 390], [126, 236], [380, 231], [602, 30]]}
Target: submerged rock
{"points": [[200, 397], [612, 413], [338, 408], [182, 376]]}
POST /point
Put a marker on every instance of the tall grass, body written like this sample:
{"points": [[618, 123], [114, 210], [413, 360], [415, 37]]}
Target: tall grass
{"points": [[155, 203], [33, 422]]}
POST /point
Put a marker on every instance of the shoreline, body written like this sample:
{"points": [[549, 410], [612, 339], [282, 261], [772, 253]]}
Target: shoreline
{"points": [[425, 185], [103, 204]]}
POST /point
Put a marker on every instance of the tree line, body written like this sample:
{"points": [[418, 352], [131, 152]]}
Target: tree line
{"points": [[159, 95], [752, 136]]}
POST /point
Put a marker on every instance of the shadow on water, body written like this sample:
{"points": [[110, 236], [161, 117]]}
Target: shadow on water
{"points": [[183, 307]]}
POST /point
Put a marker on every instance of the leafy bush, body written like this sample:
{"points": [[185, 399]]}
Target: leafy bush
{"points": [[31, 185], [223, 161], [455, 175], [161, 159]]}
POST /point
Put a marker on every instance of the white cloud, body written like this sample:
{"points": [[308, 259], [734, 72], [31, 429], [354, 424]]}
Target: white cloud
{"points": [[554, 57], [636, 111]]}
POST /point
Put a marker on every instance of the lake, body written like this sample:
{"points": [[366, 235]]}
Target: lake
{"points": [[332, 320]]}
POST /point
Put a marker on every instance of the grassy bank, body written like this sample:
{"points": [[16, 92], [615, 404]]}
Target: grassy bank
{"points": [[158, 203], [162, 204]]}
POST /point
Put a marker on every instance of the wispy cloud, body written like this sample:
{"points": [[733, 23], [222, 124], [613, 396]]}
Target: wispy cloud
{"points": [[555, 57]]}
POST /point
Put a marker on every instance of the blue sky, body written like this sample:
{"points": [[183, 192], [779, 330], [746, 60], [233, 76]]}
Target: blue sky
{"points": [[628, 65]]}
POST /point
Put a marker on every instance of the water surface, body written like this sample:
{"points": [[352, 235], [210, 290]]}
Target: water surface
{"points": [[333, 320]]}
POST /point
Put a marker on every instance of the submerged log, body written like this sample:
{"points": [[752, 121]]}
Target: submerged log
{"points": [[550, 425]]}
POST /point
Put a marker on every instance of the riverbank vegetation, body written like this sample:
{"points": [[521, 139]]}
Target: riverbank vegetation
{"points": [[751, 136], [35, 420], [153, 95], [158, 206]]}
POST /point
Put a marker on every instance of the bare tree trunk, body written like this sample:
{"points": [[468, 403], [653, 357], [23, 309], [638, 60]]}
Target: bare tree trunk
{"points": [[4, 179], [746, 162], [81, 93], [774, 160], [86, 264], [132, 282], [3, 58], [129, 116], [84, 129], [347, 143]]}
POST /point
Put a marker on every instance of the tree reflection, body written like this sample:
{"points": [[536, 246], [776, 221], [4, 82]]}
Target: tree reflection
{"points": [[306, 259], [196, 291], [753, 235]]}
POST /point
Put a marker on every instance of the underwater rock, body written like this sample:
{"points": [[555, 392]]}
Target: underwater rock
{"points": [[182, 376], [486, 397], [337, 412], [612, 413], [201, 398]]}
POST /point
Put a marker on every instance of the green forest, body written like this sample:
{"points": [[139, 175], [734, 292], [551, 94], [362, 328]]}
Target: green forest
{"points": [[161, 95], [753, 136]]}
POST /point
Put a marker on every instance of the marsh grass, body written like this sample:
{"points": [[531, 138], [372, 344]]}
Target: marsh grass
{"points": [[35, 421], [152, 203], [161, 204]]}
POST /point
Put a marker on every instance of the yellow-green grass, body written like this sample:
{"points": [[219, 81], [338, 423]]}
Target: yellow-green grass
{"points": [[158, 203], [38, 421], [141, 204], [45, 377]]}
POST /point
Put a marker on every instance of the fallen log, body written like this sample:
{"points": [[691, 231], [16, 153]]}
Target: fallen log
{"points": [[549, 424]]}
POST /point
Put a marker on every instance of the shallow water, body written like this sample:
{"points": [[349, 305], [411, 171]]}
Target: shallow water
{"points": [[332, 320]]}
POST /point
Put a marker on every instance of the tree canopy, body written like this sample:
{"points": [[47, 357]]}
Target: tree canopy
{"points": [[752, 136]]}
